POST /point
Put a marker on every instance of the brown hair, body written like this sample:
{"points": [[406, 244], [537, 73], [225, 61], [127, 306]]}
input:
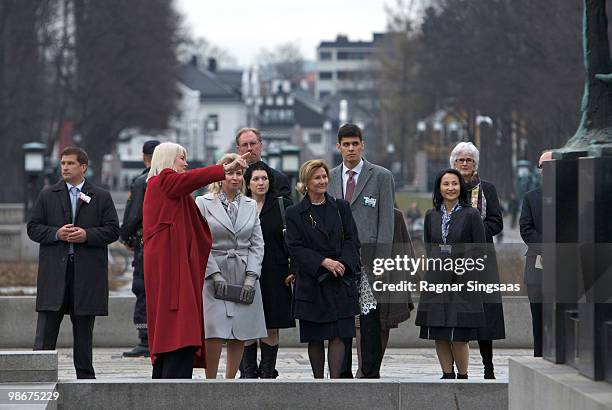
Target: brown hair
{"points": [[80, 153], [306, 170]]}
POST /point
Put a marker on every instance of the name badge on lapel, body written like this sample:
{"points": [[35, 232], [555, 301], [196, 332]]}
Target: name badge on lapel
{"points": [[369, 202], [84, 197], [446, 249]]}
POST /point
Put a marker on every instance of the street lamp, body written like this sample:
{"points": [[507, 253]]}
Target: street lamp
{"points": [[274, 157], [34, 166], [290, 162]]}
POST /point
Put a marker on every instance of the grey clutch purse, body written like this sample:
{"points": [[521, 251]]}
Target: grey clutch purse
{"points": [[233, 295]]}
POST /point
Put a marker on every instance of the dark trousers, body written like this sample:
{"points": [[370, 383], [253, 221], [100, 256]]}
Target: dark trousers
{"points": [[177, 364], [138, 289], [48, 326], [371, 348], [535, 297]]}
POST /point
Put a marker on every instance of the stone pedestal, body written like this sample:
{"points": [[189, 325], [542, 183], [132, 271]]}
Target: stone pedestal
{"points": [[560, 259], [594, 237]]}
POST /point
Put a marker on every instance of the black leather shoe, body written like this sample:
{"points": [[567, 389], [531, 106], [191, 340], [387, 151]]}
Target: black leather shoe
{"points": [[138, 351], [448, 375]]}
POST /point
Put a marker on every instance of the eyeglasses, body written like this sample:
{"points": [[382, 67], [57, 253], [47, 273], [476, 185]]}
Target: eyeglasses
{"points": [[464, 160]]}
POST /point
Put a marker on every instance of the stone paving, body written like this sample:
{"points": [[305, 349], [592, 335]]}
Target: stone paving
{"points": [[292, 363]]}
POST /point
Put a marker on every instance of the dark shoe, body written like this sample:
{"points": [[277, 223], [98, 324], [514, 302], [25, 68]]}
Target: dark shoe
{"points": [[462, 376], [248, 366], [139, 351], [268, 361], [489, 373], [448, 375]]}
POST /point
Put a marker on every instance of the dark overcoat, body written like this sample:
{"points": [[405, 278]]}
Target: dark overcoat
{"points": [[531, 231], [275, 266], [452, 309], [494, 224], [51, 211], [319, 296]]}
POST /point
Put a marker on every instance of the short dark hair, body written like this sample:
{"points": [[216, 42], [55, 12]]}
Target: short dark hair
{"points": [[258, 166], [463, 191], [247, 129], [80, 153], [349, 130]]}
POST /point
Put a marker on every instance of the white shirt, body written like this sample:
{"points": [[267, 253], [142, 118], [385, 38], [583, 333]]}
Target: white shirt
{"points": [[345, 175]]}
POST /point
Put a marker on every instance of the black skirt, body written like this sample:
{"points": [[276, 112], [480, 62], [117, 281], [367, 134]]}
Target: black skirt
{"points": [[449, 334], [315, 332]]}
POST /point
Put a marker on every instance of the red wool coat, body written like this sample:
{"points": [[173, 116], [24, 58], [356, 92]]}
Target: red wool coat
{"points": [[177, 243]]}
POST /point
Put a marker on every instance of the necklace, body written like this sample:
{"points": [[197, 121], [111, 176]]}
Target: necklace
{"points": [[319, 203]]}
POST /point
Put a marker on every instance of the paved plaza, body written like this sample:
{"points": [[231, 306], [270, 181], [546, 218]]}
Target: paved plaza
{"points": [[292, 364]]}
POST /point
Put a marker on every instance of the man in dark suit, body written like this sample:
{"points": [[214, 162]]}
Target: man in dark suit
{"points": [[370, 190], [73, 221], [531, 231], [250, 140], [131, 236]]}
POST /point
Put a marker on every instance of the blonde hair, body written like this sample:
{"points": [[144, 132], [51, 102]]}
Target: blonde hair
{"points": [[216, 187], [307, 169], [164, 156]]}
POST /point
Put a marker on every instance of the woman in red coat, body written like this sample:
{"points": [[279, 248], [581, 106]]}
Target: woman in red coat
{"points": [[177, 243]]}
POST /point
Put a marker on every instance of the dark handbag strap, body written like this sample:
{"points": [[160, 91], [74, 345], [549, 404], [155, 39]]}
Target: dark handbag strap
{"points": [[281, 205]]}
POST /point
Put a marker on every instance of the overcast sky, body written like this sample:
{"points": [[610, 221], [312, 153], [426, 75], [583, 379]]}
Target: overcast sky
{"points": [[244, 27]]}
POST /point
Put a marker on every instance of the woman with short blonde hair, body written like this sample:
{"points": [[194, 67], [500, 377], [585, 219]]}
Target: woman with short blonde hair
{"points": [[306, 171], [164, 156]]}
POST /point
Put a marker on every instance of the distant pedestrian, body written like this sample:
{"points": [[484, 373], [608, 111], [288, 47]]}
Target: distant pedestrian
{"points": [[131, 236], [74, 221]]}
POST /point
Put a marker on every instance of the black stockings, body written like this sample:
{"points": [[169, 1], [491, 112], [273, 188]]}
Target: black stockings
{"points": [[335, 356]]}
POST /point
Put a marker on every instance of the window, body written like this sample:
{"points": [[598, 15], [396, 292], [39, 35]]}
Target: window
{"points": [[315, 137], [353, 55], [325, 75], [325, 55]]}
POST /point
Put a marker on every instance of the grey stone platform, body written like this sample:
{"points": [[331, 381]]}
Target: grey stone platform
{"points": [[287, 394], [18, 325], [27, 366], [539, 384]]}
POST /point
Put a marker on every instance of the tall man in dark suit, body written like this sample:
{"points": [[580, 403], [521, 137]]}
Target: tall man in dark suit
{"points": [[370, 190], [250, 140], [73, 221], [531, 231], [131, 236]]}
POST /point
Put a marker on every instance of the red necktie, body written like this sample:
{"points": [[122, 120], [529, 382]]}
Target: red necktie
{"points": [[350, 186]]}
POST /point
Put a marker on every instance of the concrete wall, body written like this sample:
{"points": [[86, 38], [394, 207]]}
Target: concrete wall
{"points": [[18, 325], [535, 383]]}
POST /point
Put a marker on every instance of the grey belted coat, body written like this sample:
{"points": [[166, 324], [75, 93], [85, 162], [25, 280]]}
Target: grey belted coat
{"points": [[236, 249]]}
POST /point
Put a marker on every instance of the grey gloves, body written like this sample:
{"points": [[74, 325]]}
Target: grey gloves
{"points": [[247, 293], [219, 284]]}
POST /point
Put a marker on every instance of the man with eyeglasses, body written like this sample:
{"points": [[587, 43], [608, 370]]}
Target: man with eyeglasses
{"points": [[250, 140], [530, 224]]}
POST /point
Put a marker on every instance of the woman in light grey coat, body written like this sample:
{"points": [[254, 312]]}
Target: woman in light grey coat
{"points": [[235, 259]]}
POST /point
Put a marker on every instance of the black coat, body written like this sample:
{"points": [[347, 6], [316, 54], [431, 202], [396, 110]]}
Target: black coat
{"points": [[531, 231], [319, 296], [281, 184], [131, 229], [99, 219], [275, 295], [453, 309], [494, 224]]}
